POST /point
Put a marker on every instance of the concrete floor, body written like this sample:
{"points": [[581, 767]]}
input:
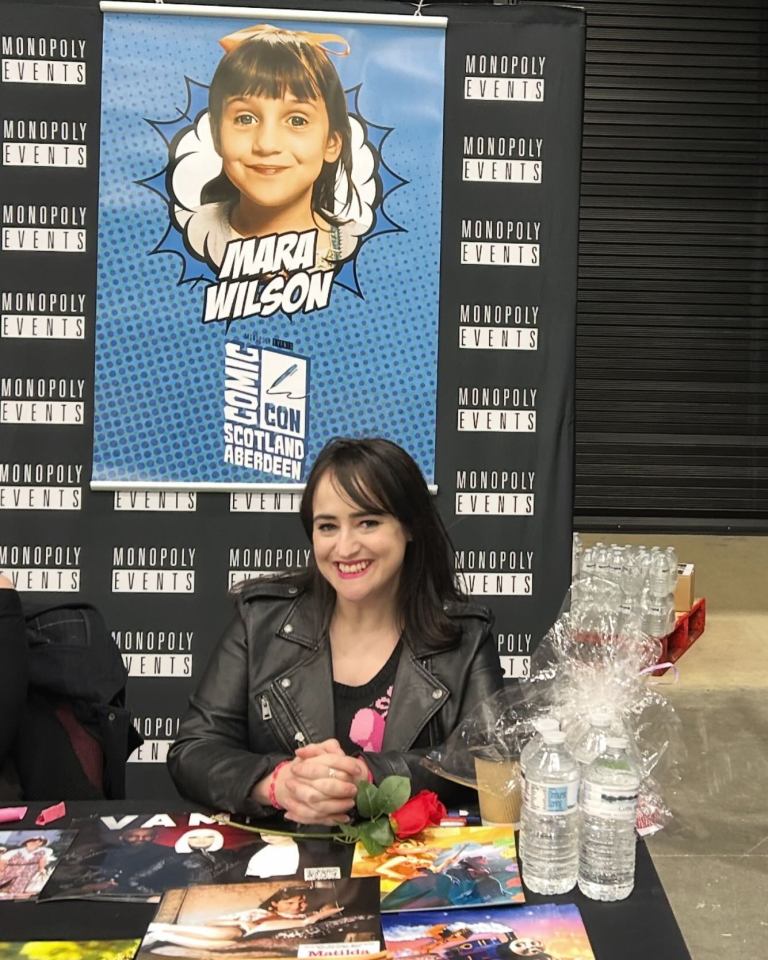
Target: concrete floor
{"points": [[713, 857]]}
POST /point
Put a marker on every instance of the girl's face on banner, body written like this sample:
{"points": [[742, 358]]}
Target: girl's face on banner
{"points": [[273, 150]]}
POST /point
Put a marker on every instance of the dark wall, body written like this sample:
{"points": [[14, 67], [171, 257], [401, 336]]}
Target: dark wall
{"points": [[672, 335]]}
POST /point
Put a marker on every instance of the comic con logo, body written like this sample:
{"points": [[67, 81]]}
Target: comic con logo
{"points": [[266, 396], [274, 179]]}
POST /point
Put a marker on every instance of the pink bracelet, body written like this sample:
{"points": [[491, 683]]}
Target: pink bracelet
{"points": [[272, 789]]}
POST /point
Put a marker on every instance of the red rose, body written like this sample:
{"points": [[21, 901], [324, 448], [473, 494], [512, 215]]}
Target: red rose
{"points": [[423, 810]]}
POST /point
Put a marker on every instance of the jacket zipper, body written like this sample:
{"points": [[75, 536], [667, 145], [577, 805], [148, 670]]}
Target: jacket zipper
{"points": [[296, 738], [288, 707]]}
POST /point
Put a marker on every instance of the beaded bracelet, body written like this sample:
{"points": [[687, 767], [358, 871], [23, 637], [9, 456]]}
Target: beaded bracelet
{"points": [[272, 789]]}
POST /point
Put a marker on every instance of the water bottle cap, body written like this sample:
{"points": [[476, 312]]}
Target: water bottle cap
{"points": [[553, 736], [546, 723], [600, 716], [616, 741]]}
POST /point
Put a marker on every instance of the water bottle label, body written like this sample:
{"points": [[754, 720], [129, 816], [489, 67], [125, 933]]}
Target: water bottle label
{"points": [[546, 798], [614, 803]]}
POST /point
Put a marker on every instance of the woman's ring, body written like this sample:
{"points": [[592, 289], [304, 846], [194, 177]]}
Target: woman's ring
{"points": [[331, 772]]}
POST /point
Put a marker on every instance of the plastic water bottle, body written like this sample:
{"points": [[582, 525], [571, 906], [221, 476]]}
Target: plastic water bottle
{"points": [[660, 603], [608, 802], [577, 551], [541, 725], [590, 740], [549, 823]]}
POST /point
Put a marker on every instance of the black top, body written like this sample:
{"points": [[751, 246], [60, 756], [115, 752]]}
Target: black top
{"points": [[360, 712]]}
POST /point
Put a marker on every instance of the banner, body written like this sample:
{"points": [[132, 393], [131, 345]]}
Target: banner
{"points": [[158, 562], [512, 142], [268, 243]]}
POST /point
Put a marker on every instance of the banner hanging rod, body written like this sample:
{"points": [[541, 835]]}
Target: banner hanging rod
{"points": [[193, 10], [174, 486]]}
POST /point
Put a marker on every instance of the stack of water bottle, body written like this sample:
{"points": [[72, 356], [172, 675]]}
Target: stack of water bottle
{"points": [[580, 792], [635, 583]]}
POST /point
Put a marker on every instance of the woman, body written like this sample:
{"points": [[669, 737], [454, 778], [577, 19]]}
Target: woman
{"points": [[351, 671], [286, 909]]}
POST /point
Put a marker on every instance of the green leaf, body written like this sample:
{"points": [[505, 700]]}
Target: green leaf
{"points": [[393, 792], [376, 836], [366, 799], [348, 833]]}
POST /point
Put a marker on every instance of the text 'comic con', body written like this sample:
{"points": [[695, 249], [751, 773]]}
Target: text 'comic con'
{"points": [[170, 368]]}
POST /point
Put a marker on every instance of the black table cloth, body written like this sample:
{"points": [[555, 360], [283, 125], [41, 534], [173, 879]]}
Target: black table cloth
{"points": [[639, 928]]}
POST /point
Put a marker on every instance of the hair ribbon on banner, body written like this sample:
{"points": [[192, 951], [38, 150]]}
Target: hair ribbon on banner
{"points": [[265, 31]]}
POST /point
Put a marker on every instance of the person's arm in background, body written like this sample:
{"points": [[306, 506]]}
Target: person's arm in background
{"points": [[14, 672]]}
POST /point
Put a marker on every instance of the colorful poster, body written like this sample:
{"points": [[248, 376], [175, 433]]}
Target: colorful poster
{"points": [[68, 950], [446, 867], [269, 234], [137, 858], [542, 932]]}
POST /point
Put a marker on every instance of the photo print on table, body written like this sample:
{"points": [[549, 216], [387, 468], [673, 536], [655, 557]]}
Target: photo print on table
{"points": [[446, 867], [267, 919], [27, 859]]}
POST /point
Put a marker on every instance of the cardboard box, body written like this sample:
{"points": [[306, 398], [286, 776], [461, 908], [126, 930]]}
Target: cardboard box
{"points": [[684, 591]]}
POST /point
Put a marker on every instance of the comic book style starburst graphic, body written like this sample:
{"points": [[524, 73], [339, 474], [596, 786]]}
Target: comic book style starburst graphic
{"points": [[192, 269]]}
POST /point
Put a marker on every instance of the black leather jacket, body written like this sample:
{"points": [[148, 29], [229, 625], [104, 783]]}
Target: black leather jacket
{"points": [[268, 689]]}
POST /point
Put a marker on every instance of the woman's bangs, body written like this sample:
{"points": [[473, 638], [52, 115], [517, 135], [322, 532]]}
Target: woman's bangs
{"points": [[277, 71], [357, 483]]}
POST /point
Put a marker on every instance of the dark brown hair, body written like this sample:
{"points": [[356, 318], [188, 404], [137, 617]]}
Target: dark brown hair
{"points": [[380, 477], [270, 66], [284, 893]]}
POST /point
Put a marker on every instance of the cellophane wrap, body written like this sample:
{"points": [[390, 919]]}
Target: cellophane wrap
{"points": [[594, 657]]}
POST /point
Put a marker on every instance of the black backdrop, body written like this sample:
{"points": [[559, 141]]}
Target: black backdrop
{"points": [[506, 495]]}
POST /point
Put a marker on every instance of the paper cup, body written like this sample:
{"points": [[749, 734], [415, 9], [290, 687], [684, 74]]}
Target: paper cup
{"points": [[498, 790]]}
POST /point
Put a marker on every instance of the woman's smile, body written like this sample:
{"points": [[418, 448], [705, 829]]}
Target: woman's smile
{"points": [[350, 570]]}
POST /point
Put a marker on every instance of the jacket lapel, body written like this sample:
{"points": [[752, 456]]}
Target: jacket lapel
{"points": [[425, 695], [309, 691]]}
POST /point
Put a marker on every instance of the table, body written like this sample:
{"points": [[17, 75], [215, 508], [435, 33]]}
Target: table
{"points": [[640, 927]]}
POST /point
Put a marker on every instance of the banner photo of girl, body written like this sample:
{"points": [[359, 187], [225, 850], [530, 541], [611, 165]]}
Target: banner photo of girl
{"points": [[270, 192]]}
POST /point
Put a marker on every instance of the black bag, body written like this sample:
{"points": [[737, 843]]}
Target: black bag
{"points": [[76, 733]]}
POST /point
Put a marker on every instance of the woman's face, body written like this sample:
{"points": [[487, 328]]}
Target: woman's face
{"points": [[202, 841], [273, 150], [34, 843], [360, 554], [294, 906]]}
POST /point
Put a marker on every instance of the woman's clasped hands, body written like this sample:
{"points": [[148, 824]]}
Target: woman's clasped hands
{"points": [[320, 784]]}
